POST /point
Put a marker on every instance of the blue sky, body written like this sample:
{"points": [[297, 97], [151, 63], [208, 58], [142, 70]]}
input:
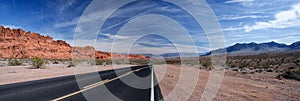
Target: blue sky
{"points": [[241, 20]]}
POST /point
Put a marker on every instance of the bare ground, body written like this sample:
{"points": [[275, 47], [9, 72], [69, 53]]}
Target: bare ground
{"points": [[235, 86], [15, 74]]}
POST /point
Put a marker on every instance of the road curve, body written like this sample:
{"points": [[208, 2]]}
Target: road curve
{"points": [[66, 88]]}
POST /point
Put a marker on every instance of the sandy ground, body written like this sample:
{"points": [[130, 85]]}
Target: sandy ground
{"points": [[15, 74], [235, 86], [180, 83]]}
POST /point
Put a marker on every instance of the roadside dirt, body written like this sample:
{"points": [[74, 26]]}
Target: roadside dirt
{"points": [[15, 74], [235, 86]]}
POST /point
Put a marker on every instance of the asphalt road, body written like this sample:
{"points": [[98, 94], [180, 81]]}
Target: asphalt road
{"points": [[109, 88]]}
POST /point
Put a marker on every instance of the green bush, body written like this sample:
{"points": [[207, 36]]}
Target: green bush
{"points": [[139, 62], [297, 71], [55, 62], [38, 63], [207, 64], [100, 62], [14, 62], [291, 74], [103, 62]]}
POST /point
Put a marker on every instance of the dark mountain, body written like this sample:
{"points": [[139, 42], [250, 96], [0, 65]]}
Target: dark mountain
{"points": [[173, 55], [295, 46], [242, 49], [254, 48]]}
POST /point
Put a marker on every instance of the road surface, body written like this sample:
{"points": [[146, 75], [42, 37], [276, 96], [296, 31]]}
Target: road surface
{"points": [[109, 88]]}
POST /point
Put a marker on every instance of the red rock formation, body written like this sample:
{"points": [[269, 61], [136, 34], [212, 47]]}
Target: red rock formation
{"points": [[87, 52], [16, 43]]}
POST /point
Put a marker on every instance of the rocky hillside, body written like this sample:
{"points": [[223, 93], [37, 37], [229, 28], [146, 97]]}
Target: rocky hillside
{"points": [[16, 43], [254, 48]]}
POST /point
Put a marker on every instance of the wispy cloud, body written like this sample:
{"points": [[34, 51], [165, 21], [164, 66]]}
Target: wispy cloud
{"points": [[65, 5], [66, 23], [68, 12], [233, 28], [243, 2], [253, 3], [12, 26], [236, 17], [110, 36], [239, 1], [283, 19]]}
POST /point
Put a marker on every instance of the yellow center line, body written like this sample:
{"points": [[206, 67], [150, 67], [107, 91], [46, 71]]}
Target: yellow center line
{"points": [[99, 84], [96, 84]]}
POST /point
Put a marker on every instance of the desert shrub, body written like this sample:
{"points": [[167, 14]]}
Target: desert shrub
{"points": [[291, 74], [38, 63], [243, 64], [207, 64], [14, 62], [297, 71], [269, 70], [139, 62], [100, 62], [235, 69], [55, 62], [255, 66], [172, 60], [72, 63], [291, 67]]}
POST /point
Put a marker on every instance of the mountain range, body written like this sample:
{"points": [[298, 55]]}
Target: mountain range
{"points": [[172, 55], [255, 48], [244, 49]]}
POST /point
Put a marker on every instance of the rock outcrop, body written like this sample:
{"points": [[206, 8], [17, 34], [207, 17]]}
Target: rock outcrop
{"points": [[16, 43]]}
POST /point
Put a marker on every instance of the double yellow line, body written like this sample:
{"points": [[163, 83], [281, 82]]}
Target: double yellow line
{"points": [[97, 84]]}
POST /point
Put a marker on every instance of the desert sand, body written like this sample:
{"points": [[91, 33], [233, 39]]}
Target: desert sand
{"points": [[235, 86], [16, 74]]}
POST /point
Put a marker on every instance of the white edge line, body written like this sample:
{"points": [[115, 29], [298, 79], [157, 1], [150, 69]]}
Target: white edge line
{"points": [[152, 85]]}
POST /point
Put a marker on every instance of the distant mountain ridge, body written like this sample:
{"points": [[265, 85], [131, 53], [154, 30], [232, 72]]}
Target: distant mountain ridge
{"points": [[171, 55], [242, 49], [255, 48]]}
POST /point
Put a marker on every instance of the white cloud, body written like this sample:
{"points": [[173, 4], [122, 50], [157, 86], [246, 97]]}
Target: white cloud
{"points": [[110, 36], [234, 17], [239, 1], [12, 26], [252, 3], [283, 19], [233, 28]]}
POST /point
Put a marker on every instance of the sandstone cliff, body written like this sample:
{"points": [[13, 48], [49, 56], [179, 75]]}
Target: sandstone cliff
{"points": [[16, 43]]}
